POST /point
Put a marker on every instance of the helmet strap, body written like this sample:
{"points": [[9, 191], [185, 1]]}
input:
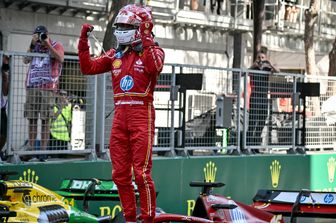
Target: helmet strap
{"points": [[137, 46], [121, 48]]}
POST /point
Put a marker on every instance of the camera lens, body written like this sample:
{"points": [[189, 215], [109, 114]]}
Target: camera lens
{"points": [[43, 36], [5, 67]]}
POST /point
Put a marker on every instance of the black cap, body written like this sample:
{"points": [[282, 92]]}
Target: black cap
{"points": [[40, 29], [63, 92]]}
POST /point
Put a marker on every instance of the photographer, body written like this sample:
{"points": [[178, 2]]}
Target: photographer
{"points": [[60, 130], [258, 99], [4, 93], [262, 63], [42, 82]]}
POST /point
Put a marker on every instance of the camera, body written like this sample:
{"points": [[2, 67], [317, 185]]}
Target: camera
{"points": [[42, 36], [5, 67], [260, 62]]}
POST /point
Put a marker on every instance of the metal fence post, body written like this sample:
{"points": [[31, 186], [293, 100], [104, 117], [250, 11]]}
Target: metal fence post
{"points": [[15, 158], [238, 115], [101, 93], [172, 117], [102, 136], [295, 99], [1, 56], [245, 116], [93, 154]]}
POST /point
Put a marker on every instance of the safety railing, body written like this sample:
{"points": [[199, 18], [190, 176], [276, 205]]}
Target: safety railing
{"points": [[263, 111], [80, 92], [199, 109]]}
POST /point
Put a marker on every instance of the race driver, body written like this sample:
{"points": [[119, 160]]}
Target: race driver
{"points": [[135, 66]]}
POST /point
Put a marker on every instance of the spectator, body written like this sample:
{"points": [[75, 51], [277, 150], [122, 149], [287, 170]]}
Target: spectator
{"points": [[194, 5], [291, 13], [4, 93], [135, 66], [258, 100], [284, 104], [41, 82], [219, 6], [61, 123]]}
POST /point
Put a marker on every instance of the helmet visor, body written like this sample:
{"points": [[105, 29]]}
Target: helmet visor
{"points": [[125, 37]]}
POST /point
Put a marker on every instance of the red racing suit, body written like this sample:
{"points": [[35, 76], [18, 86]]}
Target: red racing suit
{"points": [[134, 76]]}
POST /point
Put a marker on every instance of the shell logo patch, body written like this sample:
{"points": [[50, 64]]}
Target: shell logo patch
{"points": [[116, 63]]}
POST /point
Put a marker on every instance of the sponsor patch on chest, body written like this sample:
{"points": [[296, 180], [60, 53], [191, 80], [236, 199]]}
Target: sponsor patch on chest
{"points": [[126, 83], [140, 70], [116, 64], [116, 72], [139, 63]]}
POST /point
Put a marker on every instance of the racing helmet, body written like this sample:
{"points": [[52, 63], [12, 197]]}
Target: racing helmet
{"points": [[128, 21]]}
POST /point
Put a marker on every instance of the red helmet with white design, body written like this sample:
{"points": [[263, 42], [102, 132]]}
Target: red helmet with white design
{"points": [[128, 21]]}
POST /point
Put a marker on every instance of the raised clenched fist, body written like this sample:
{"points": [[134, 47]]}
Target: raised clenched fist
{"points": [[86, 29]]}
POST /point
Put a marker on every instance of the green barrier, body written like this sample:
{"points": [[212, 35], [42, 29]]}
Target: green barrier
{"points": [[322, 177], [243, 176]]}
